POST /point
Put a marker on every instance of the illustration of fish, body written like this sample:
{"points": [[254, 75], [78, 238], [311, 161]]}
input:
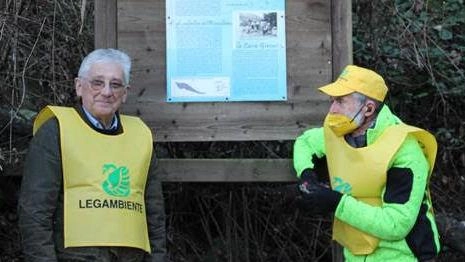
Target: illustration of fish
{"points": [[187, 87]]}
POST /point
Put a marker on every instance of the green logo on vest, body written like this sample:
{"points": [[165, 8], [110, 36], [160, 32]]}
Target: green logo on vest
{"points": [[341, 186], [117, 182]]}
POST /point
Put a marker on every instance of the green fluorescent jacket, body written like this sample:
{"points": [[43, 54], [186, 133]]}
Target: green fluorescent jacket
{"points": [[405, 222]]}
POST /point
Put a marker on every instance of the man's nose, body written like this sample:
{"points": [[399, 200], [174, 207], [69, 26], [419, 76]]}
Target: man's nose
{"points": [[333, 107], [107, 90]]}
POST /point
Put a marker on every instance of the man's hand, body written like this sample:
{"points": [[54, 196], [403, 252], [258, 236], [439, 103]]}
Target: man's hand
{"points": [[315, 197], [308, 179]]}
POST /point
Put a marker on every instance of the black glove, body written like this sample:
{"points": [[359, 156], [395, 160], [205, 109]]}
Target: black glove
{"points": [[315, 197], [308, 176]]}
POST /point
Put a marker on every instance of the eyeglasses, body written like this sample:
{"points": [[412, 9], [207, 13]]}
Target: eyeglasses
{"points": [[97, 85]]}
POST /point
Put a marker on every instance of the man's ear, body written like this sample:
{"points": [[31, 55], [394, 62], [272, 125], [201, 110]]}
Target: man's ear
{"points": [[371, 108], [78, 86], [125, 95]]}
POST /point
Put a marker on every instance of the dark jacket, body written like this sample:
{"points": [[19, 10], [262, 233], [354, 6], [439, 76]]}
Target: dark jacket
{"points": [[41, 211]]}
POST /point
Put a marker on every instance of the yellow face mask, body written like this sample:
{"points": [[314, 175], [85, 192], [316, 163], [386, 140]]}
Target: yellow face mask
{"points": [[341, 124]]}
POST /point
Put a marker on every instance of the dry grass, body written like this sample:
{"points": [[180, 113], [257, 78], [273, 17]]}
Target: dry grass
{"points": [[41, 46]]}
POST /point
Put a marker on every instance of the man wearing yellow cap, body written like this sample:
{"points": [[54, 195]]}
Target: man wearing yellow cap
{"points": [[378, 168]]}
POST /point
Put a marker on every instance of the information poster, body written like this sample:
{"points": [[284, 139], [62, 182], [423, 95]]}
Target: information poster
{"points": [[226, 50]]}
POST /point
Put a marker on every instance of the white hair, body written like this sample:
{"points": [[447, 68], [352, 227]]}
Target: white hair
{"points": [[106, 55]]}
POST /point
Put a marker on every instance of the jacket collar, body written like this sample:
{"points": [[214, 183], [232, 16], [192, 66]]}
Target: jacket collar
{"points": [[385, 119]]}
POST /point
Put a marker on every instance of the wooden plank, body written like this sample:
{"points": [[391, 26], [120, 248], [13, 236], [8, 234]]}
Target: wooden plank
{"points": [[141, 32], [226, 170], [341, 30], [230, 122], [105, 34]]}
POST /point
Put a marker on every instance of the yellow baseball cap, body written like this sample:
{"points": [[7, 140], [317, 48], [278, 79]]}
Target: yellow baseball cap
{"points": [[357, 79]]}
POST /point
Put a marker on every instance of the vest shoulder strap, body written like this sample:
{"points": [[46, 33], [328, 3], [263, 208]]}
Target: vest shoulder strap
{"points": [[46, 113], [425, 139]]}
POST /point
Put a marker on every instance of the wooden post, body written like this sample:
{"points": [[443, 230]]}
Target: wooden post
{"points": [[341, 34], [105, 17]]}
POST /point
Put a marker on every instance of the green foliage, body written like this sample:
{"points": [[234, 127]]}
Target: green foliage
{"points": [[418, 46]]}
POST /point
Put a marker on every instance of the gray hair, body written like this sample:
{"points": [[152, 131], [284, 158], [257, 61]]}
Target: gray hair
{"points": [[106, 55], [363, 98]]}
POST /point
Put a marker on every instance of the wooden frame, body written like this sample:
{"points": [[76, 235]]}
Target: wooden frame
{"points": [[318, 47]]}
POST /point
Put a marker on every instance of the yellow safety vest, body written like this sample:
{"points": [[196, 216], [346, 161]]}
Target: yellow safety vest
{"points": [[361, 172], [104, 180]]}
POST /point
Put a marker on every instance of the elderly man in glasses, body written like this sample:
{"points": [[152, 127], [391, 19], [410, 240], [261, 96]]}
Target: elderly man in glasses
{"points": [[89, 192]]}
